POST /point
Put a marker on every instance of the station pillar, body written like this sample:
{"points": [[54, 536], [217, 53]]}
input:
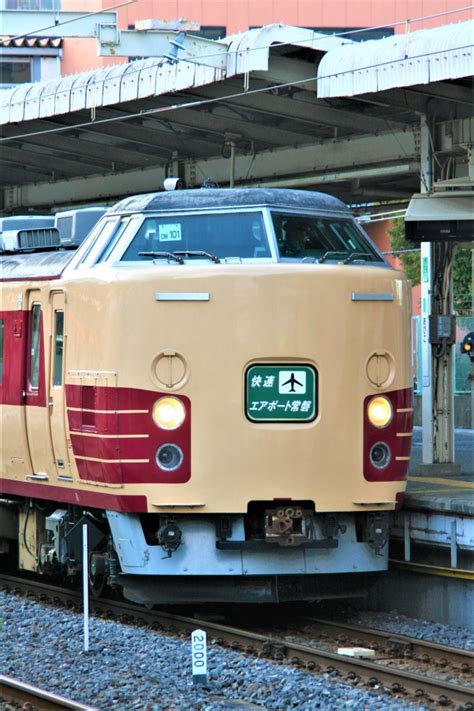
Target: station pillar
{"points": [[437, 356]]}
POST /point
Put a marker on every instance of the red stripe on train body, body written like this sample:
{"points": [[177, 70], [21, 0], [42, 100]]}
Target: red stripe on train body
{"points": [[396, 436], [115, 426]]}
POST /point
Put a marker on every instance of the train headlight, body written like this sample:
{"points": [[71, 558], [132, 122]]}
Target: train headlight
{"points": [[380, 411], [169, 457], [168, 413]]}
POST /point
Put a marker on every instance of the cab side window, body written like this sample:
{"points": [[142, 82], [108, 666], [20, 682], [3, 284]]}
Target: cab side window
{"points": [[34, 355], [58, 347]]}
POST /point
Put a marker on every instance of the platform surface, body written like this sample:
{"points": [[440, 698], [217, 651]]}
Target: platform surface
{"points": [[443, 492]]}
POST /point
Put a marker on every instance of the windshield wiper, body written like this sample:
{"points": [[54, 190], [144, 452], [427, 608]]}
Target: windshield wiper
{"points": [[162, 255], [329, 254], [356, 255], [198, 253]]}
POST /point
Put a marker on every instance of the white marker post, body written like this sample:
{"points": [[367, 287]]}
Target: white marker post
{"points": [[85, 586], [199, 656]]}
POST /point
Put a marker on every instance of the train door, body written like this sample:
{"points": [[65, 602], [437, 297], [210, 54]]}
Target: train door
{"points": [[56, 399], [36, 386]]}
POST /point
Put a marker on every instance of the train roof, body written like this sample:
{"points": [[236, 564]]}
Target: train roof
{"points": [[35, 265], [215, 198]]}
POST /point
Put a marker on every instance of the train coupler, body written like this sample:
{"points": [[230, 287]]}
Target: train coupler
{"points": [[289, 526]]}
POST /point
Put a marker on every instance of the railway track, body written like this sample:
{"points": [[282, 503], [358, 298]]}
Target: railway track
{"points": [[393, 644], [27, 696], [380, 673]]}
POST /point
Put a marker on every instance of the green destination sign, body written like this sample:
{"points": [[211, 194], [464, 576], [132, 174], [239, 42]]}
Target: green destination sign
{"points": [[281, 393]]}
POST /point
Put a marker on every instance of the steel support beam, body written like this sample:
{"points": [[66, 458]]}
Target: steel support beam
{"points": [[173, 46], [302, 107], [329, 161]]}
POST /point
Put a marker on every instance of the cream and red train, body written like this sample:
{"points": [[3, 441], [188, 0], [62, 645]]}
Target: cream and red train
{"points": [[218, 383]]}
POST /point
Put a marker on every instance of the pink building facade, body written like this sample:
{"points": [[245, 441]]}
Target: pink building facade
{"points": [[226, 17]]}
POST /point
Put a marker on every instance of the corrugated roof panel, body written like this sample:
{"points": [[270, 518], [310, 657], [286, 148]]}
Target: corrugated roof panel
{"points": [[32, 101], [47, 101], [147, 81], [457, 62], [185, 76], [246, 52], [62, 99], [402, 60], [79, 89], [16, 109], [129, 83], [95, 88], [112, 84]]}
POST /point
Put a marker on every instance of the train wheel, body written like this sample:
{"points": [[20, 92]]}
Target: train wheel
{"points": [[97, 574]]}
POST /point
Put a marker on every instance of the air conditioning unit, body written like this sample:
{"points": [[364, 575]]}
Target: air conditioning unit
{"points": [[75, 225], [30, 240]]}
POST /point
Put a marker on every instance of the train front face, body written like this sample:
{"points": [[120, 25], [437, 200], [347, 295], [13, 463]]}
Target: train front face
{"points": [[264, 353]]}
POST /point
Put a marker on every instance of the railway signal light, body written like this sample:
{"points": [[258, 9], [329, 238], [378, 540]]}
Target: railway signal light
{"points": [[467, 345]]}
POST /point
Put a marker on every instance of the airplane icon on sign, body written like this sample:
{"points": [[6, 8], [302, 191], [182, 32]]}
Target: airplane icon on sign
{"points": [[292, 382], [295, 383]]}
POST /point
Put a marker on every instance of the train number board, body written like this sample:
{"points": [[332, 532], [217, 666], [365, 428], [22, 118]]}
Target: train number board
{"points": [[281, 393]]}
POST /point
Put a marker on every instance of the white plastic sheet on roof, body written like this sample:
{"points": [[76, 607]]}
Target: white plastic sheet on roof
{"points": [[119, 83], [417, 57]]}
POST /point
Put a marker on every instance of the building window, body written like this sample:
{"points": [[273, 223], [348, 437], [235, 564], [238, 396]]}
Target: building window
{"points": [[34, 360], [58, 347], [212, 32], [15, 71], [30, 5]]}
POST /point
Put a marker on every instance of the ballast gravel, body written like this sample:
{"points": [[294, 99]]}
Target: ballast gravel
{"points": [[134, 668]]}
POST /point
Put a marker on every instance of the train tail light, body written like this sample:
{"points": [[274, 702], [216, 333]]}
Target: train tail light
{"points": [[380, 455], [169, 457]]}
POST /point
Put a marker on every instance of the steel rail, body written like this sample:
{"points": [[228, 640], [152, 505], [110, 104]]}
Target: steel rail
{"points": [[395, 680], [16, 691]]}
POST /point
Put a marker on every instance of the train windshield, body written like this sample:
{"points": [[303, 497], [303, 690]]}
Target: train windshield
{"points": [[321, 239], [220, 235]]}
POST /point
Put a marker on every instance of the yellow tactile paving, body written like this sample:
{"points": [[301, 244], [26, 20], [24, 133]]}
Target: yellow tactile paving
{"points": [[444, 482]]}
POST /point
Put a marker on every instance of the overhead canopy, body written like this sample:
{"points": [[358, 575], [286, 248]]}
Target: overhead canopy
{"points": [[419, 57], [440, 216], [256, 119], [131, 81]]}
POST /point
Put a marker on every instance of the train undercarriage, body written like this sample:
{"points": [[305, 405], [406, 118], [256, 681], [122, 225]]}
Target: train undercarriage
{"points": [[270, 554]]}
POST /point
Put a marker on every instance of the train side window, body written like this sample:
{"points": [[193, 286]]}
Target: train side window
{"points": [[34, 359], [113, 240], [58, 347], [2, 328]]}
